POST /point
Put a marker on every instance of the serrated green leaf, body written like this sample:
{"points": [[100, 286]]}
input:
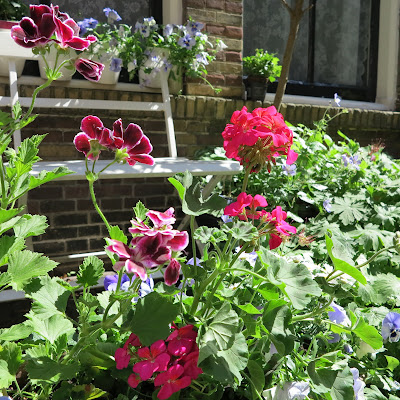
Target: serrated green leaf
{"points": [[152, 317], [30, 225], [341, 264], [6, 215], [6, 379], [47, 176], [373, 393], [178, 186], [51, 328], [250, 309], [206, 235], [371, 237], [16, 332], [90, 271], [9, 244], [294, 280], [140, 211], [5, 279], [25, 265], [49, 297], [241, 230], [12, 354]]}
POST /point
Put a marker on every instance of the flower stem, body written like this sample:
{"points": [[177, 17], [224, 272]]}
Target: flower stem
{"points": [[96, 206]]}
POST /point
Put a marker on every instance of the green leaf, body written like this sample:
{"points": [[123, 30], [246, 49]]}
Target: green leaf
{"points": [[45, 370], [257, 377], [206, 235], [6, 215], [371, 237], [5, 279], [90, 271], [392, 362], [6, 379], [178, 186], [30, 225], [152, 317], [47, 176], [25, 265], [349, 209], [12, 354], [117, 234], [368, 334], [305, 197], [222, 328], [9, 244], [241, 230], [140, 211], [340, 264], [225, 365], [49, 297], [250, 309], [276, 318], [294, 280], [373, 393], [51, 328], [16, 332]]}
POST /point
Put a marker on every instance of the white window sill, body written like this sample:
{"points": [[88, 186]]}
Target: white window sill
{"points": [[321, 101]]}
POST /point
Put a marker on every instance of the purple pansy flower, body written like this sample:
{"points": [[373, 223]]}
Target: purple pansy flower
{"points": [[116, 64], [391, 327], [187, 42], [143, 29], [338, 315], [289, 170], [111, 281], [85, 24], [167, 30], [358, 384], [193, 27], [112, 15], [327, 205]]}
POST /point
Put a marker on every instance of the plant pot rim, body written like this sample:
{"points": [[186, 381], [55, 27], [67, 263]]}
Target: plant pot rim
{"points": [[7, 24]]}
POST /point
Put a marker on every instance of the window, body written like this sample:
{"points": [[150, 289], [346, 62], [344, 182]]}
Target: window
{"points": [[336, 50]]}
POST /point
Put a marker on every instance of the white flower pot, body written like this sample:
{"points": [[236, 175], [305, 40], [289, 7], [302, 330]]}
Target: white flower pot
{"points": [[8, 42], [108, 77], [51, 59]]}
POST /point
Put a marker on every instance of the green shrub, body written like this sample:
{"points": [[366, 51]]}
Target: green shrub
{"points": [[262, 64]]}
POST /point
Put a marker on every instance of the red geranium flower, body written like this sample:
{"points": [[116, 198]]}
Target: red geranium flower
{"points": [[238, 208], [171, 381], [182, 340]]}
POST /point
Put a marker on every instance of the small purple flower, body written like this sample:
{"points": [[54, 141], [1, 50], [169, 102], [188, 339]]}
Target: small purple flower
{"points": [[187, 42], [191, 261], [289, 170], [348, 349], [85, 24], [354, 160], [251, 258], [334, 338], [111, 281], [338, 315], [337, 99], [143, 29], [149, 21], [391, 327], [167, 30], [193, 27], [358, 384], [202, 59], [345, 159], [327, 205], [116, 64], [226, 219], [112, 15], [167, 66]]}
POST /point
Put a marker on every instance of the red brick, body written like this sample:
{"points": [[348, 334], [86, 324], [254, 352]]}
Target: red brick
{"points": [[233, 56], [57, 205], [233, 80], [46, 192], [215, 29], [217, 4], [233, 7], [196, 3], [75, 192], [233, 32]]}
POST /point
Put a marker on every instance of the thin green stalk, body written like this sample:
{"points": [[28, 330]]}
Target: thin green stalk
{"points": [[4, 200], [247, 271], [211, 294], [96, 206], [330, 277], [313, 313], [193, 244], [201, 289], [254, 386], [246, 177]]}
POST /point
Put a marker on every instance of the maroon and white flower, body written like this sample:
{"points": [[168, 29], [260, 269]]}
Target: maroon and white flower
{"points": [[91, 70]]}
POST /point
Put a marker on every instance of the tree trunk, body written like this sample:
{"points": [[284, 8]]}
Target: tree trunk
{"points": [[296, 14]]}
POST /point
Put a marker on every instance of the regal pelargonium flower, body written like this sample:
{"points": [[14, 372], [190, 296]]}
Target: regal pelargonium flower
{"points": [[391, 327], [91, 70], [67, 32], [132, 144], [94, 137], [172, 381], [36, 30]]}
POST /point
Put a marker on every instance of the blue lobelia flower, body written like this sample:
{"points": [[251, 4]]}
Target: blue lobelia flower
{"points": [[116, 64], [327, 205], [112, 15], [391, 327]]}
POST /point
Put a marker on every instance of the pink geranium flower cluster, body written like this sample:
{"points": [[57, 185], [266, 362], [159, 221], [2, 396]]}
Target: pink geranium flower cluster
{"points": [[48, 25], [245, 208], [256, 138], [152, 246], [130, 145], [171, 364]]}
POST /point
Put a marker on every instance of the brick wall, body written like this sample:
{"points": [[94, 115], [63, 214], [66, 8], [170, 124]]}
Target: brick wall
{"points": [[223, 20]]}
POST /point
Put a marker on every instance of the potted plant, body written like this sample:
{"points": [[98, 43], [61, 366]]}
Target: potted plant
{"points": [[259, 69], [110, 45]]}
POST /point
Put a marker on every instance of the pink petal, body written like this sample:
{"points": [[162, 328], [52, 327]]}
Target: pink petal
{"points": [[162, 362], [145, 369], [121, 249], [118, 129], [274, 241], [179, 241], [158, 347], [133, 380], [132, 136], [81, 142], [142, 158], [131, 267], [36, 12], [291, 157], [142, 147], [260, 201], [78, 43], [90, 124], [47, 25], [64, 33], [171, 274]]}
